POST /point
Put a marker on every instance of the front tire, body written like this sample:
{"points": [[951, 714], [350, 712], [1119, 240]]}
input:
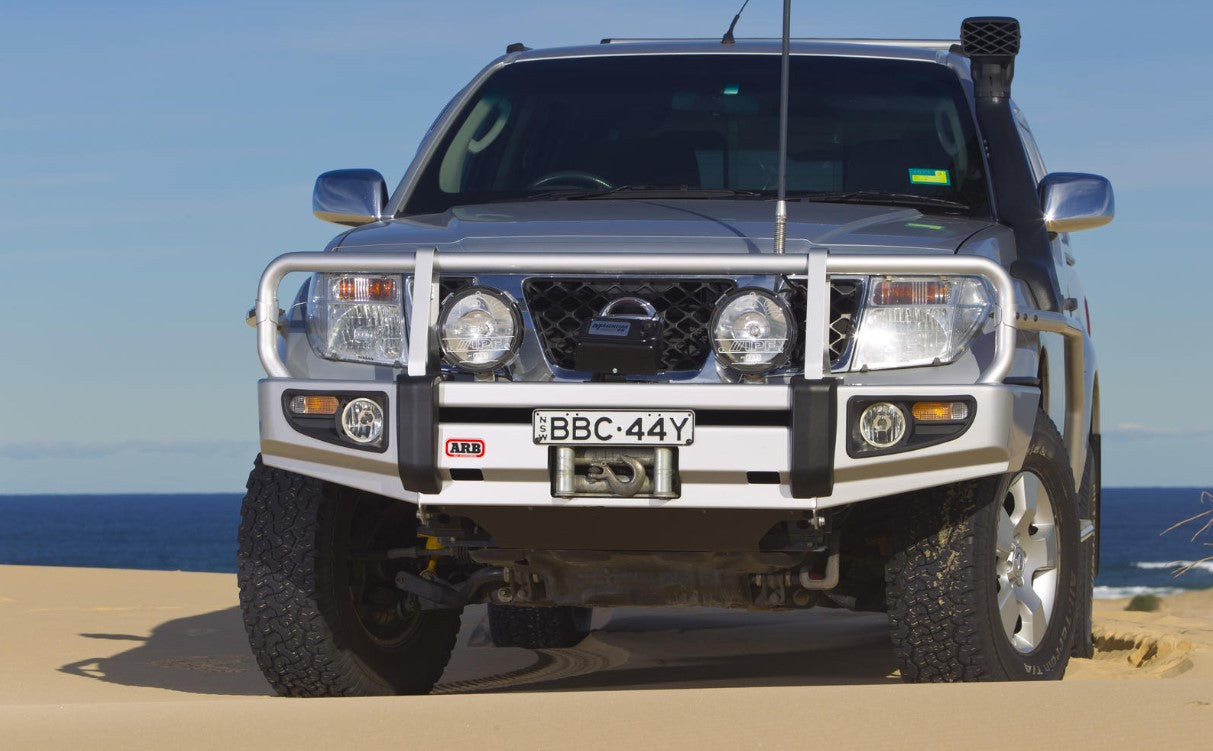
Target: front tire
{"points": [[321, 619], [1088, 508], [985, 584]]}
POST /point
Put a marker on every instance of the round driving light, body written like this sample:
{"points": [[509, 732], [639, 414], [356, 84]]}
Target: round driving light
{"points": [[362, 421], [752, 330], [882, 425], [480, 329]]}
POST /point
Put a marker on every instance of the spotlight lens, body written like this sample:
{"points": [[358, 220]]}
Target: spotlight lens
{"points": [[752, 331], [362, 421], [480, 329], [882, 425]]}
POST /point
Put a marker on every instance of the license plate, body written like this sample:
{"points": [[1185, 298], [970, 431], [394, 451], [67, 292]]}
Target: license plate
{"points": [[616, 427]]}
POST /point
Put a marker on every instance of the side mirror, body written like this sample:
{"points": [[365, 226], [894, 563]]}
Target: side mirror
{"points": [[1072, 201], [349, 196]]}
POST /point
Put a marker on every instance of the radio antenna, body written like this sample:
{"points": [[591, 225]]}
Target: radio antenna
{"points": [[728, 35], [781, 203]]}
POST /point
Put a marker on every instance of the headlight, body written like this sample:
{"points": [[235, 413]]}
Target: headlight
{"points": [[356, 317], [480, 329], [752, 330], [919, 321]]}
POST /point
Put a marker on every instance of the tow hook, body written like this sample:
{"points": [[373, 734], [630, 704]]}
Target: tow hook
{"points": [[592, 472], [601, 471]]}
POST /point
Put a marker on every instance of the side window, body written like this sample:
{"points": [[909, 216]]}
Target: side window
{"points": [[1029, 146], [1061, 243]]}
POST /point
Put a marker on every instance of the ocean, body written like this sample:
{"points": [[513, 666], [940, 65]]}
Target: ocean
{"points": [[192, 532], [1137, 556]]}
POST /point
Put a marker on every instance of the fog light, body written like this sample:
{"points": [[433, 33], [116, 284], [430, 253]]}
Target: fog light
{"points": [[313, 405], [882, 425], [362, 421]]}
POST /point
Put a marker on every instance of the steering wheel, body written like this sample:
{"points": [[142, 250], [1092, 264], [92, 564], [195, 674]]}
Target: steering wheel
{"points": [[571, 179]]}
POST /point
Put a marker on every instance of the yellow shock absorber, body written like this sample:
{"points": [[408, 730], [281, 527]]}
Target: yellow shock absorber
{"points": [[432, 543]]}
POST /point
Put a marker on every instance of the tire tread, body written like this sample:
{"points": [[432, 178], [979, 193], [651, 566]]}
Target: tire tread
{"points": [[286, 603], [534, 627], [941, 626]]}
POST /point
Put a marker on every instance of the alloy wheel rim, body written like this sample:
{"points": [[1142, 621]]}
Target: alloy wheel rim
{"points": [[1026, 562], [372, 595]]}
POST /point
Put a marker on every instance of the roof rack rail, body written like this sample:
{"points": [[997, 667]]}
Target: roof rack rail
{"points": [[929, 44]]}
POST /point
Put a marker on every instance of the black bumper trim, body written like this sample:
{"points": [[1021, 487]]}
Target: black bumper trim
{"points": [[814, 428], [417, 433], [522, 416]]}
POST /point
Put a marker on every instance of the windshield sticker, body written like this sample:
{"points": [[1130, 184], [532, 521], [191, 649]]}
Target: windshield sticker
{"points": [[930, 177]]}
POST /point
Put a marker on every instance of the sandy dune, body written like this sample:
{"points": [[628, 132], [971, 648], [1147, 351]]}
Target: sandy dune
{"points": [[113, 659]]}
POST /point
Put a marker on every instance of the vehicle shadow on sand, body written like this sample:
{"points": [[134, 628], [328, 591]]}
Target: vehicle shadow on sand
{"points": [[630, 649], [199, 654], [643, 648]]}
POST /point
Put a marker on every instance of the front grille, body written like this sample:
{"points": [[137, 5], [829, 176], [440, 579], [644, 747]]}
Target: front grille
{"points": [[845, 297], [446, 284], [450, 284], [559, 306]]}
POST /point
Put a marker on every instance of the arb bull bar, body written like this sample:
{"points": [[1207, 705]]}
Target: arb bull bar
{"points": [[810, 448]]}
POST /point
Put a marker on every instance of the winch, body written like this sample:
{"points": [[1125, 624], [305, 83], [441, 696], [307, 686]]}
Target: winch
{"points": [[646, 472], [625, 338]]}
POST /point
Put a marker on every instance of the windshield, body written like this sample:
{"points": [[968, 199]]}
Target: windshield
{"points": [[706, 126]]}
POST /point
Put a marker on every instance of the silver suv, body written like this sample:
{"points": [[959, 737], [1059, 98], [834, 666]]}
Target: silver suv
{"points": [[572, 362]]}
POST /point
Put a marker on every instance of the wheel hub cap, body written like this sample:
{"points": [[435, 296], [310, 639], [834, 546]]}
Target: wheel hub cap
{"points": [[1016, 561], [1026, 562]]}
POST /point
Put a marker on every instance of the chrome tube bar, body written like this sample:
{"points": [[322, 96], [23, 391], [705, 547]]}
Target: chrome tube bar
{"points": [[266, 309], [817, 317], [1073, 433], [422, 337]]}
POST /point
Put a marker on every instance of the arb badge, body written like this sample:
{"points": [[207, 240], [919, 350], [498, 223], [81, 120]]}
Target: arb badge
{"points": [[465, 448]]}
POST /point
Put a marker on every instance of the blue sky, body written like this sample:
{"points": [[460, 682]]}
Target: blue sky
{"points": [[154, 156]]}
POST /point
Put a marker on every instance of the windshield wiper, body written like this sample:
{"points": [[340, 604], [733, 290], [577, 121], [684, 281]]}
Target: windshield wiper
{"points": [[652, 191], [620, 191], [889, 198]]}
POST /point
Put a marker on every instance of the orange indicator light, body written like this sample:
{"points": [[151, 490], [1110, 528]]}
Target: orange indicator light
{"points": [[314, 405], [904, 292], [937, 411], [366, 288]]}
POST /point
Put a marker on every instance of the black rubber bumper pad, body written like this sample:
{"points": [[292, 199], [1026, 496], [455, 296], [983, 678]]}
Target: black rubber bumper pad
{"points": [[417, 436], [814, 427]]}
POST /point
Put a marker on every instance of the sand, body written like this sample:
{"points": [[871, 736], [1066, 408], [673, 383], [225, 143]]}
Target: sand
{"points": [[112, 659]]}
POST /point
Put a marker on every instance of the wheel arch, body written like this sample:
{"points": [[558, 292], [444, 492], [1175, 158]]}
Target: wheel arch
{"points": [[1096, 428], [1042, 375]]}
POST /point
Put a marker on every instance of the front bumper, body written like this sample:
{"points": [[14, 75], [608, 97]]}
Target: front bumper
{"points": [[762, 431], [742, 432]]}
